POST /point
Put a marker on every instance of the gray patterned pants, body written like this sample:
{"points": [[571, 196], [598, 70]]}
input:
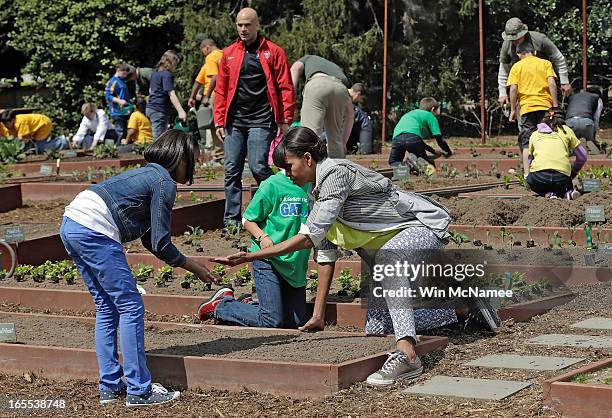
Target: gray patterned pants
{"points": [[400, 319]]}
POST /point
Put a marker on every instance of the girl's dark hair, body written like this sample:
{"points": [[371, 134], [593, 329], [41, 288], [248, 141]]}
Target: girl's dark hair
{"points": [[554, 118], [141, 105], [298, 141], [172, 147]]}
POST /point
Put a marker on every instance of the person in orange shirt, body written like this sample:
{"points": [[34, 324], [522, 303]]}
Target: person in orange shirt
{"points": [[206, 79], [32, 127]]}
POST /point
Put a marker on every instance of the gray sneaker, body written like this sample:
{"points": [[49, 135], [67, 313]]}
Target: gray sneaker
{"points": [[397, 367], [157, 395]]}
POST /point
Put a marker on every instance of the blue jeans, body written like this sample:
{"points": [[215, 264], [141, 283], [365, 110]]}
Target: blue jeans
{"points": [[104, 268], [120, 123], [241, 143], [58, 144], [549, 181], [582, 127], [88, 139], [159, 121], [280, 304], [404, 143]]}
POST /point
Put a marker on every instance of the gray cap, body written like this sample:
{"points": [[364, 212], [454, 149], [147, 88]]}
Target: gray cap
{"points": [[514, 29]]}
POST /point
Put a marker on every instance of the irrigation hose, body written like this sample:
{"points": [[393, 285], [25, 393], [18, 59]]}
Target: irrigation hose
{"points": [[13, 258]]}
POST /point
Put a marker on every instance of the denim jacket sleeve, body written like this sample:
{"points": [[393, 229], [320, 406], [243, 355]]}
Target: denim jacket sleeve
{"points": [[157, 239]]}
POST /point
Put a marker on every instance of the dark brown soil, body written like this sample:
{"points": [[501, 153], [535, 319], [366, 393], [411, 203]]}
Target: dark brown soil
{"points": [[361, 399], [528, 210], [239, 343]]}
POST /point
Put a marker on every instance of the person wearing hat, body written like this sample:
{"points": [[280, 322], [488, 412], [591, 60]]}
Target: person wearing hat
{"points": [[516, 33], [583, 113], [360, 139]]}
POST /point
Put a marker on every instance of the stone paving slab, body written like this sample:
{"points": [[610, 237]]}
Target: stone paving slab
{"points": [[510, 361], [570, 340], [594, 323], [462, 387]]}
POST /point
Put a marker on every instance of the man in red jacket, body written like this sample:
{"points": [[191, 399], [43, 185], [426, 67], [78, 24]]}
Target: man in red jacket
{"points": [[254, 101]]}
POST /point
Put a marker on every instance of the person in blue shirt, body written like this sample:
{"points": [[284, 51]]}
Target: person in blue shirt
{"points": [[117, 96], [360, 139], [162, 94], [135, 204]]}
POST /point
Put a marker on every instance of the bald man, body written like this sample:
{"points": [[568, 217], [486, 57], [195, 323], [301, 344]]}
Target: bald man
{"points": [[254, 101]]}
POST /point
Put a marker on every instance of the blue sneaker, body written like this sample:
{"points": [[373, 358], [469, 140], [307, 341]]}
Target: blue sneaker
{"points": [[157, 395], [108, 396]]}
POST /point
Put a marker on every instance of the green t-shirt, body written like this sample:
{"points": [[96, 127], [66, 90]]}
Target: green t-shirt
{"points": [[315, 64], [419, 122], [279, 208]]}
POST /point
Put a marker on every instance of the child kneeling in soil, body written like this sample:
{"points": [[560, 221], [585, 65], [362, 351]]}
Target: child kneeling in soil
{"points": [[550, 171], [134, 204], [275, 214], [139, 129], [94, 120], [413, 128]]}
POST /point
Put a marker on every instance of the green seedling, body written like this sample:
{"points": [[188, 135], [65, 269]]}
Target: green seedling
{"points": [[232, 232], [506, 180], [52, 154], [599, 231], [103, 151], [557, 240], [194, 197], [242, 277], [194, 235], [502, 235], [580, 378], [458, 238], [12, 150], [348, 284], [572, 231], [522, 180], [142, 272], [140, 148], [220, 270], [38, 274], [22, 272], [70, 277], [166, 273], [3, 274], [188, 280], [159, 281]]}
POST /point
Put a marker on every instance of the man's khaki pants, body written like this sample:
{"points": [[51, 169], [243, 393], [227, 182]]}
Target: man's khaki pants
{"points": [[207, 131], [324, 106]]}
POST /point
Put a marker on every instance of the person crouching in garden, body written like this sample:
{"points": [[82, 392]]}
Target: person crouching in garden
{"points": [[94, 120], [550, 171], [33, 128], [139, 128], [275, 214], [363, 210], [413, 128], [135, 204]]}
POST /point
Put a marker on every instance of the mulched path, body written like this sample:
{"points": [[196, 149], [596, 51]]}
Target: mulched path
{"points": [[361, 400]]}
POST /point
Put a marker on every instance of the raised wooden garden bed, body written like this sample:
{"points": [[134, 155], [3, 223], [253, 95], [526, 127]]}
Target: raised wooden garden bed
{"points": [[68, 166], [227, 368], [579, 399], [10, 197]]}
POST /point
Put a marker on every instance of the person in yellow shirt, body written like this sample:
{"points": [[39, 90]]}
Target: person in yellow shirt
{"points": [[533, 82], [550, 148], [206, 79], [32, 127], [139, 128]]}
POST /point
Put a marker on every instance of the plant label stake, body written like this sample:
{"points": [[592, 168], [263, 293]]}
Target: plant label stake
{"points": [[400, 173], [594, 214], [70, 153], [46, 170], [7, 333], [14, 234], [591, 185]]}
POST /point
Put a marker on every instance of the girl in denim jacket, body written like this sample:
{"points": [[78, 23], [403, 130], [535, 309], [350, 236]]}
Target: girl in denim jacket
{"points": [[135, 204]]}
